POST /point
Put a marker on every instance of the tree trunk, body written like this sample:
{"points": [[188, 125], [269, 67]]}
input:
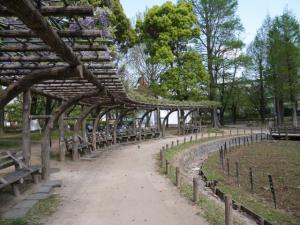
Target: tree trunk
{"points": [[262, 106], [2, 121], [295, 119], [234, 114]]}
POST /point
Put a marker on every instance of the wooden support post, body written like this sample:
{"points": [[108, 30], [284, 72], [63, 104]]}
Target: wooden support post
{"points": [[36, 178], [177, 180], [195, 190], [178, 121], [167, 146], [237, 173], [26, 140], [228, 210], [62, 145], [16, 190], [272, 189], [251, 180]]}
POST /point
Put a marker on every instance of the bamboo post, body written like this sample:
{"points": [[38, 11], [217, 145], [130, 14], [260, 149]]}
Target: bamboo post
{"points": [[237, 173], [228, 210], [272, 189], [251, 180], [26, 140], [195, 189]]}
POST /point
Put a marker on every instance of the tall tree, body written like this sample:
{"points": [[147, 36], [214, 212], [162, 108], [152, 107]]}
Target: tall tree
{"points": [[258, 52], [284, 59], [220, 33], [167, 31]]}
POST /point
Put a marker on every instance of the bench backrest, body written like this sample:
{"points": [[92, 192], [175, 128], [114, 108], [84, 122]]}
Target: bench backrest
{"points": [[7, 161]]}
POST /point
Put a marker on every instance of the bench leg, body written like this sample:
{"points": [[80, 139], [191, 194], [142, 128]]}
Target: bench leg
{"points": [[36, 178], [16, 190]]}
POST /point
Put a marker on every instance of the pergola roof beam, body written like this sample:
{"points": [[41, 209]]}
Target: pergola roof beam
{"points": [[58, 11]]}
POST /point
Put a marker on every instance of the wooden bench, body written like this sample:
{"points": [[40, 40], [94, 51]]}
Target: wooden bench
{"points": [[285, 132], [83, 148], [15, 159]]}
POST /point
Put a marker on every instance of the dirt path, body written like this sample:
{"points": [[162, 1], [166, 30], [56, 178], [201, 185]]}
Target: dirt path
{"points": [[121, 187]]}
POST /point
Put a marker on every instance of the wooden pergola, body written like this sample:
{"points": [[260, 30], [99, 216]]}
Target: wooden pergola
{"points": [[41, 54]]}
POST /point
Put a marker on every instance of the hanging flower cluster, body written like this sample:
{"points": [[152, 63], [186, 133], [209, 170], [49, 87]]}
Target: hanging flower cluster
{"points": [[100, 21]]}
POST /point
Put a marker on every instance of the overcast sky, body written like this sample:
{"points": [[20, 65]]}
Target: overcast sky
{"points": [[251, 12]]}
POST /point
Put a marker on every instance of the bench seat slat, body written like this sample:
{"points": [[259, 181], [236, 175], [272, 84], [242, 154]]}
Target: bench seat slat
{"points": [[18, 174]]}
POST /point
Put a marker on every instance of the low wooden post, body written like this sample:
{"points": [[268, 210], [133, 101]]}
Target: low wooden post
{"points": [[251, 180], [230, 132], [195, 189], [191, 138], [161, 154], [162, 158], [172, 144], [177, 142], [167, 167], [228, 210], [228, 167], [184, 140], [239, 141], [237, 131], [196, 136], [272, 189], [177, 183], [244, 131], [237, 173]]}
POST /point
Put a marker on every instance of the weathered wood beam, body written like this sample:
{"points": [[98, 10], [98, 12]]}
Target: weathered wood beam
{"points": [[33, 66], [57, 11], [61, 33], [51, 59], [42, 47], [98, 73], [26, 82]]}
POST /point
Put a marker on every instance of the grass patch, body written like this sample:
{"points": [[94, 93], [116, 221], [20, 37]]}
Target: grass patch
{"points": [[279, 158], [38, 213]]}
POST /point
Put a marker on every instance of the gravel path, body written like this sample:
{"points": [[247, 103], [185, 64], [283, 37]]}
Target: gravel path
{"points": [[121, 187]]}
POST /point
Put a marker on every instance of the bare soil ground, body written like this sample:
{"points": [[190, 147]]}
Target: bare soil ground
{"points": [[281, 159], [121, 187]]}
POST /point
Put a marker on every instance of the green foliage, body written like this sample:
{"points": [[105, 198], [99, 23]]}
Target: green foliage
{"points": [[166, 30], [187, 81]]}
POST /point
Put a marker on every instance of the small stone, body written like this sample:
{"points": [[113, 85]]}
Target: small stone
{"points": [[38, 196], [25, 204], [15, 213]]}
